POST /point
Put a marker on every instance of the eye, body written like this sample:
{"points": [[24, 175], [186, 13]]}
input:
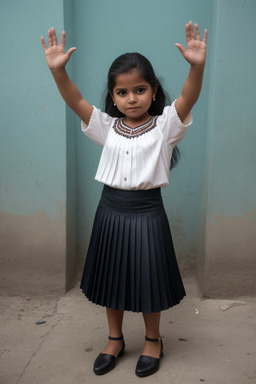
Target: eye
{"points": [[121, 93], [140, 90]]}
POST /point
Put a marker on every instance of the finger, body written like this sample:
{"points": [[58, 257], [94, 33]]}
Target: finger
{"points": [[197, 32], [205, 36], [63, 40], [54, 37], [70, 51], [187, 31], [50, 38], [191, 31], [188, 38], [181, 48], [43, 43]]}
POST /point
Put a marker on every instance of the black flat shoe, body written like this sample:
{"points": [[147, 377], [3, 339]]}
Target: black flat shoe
{"points": [[148, 365], [105, 362]]}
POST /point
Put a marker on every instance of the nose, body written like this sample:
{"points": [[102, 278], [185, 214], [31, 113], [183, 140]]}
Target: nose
{"points": [[132, 98]]}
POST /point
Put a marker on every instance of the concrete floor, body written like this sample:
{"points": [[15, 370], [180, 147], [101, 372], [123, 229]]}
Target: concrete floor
{"points": [[205, 341]]}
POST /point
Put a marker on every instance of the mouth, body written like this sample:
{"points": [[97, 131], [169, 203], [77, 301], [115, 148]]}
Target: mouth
{"points": [[133, 108]]}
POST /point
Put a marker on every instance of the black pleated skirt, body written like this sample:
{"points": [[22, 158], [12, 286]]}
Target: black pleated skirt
{"points": [[131, 263]]}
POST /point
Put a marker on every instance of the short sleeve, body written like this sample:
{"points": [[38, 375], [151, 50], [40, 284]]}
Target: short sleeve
{"points": [[172, 127], [98, 127]]}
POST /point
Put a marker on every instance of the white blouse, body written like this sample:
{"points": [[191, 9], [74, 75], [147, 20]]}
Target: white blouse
{"points": [[136, 158]]}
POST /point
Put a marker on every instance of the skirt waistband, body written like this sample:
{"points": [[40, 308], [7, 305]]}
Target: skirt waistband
{"points": [[131, 200]]}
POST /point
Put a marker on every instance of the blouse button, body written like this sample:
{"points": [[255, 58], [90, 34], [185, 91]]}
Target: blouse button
{"points": [[127, 152], [125, 179]]}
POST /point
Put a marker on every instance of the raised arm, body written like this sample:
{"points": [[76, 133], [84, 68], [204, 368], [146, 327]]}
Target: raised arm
{"points": [[57, 59], [196, 56]]}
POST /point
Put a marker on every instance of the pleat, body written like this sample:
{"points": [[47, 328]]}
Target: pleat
{"points": [[131, 263]]}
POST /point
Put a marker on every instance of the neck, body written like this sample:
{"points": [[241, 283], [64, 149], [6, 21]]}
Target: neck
{"points": [[138, 121]]}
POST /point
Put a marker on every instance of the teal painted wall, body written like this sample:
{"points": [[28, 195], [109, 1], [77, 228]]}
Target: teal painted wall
{"points": [[227, 261], [32, 149], [71, 163], [32, 153], [231, 110], [101, 34], [48, 195]]}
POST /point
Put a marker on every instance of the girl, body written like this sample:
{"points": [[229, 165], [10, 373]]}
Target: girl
{"points": [[131, 263]]}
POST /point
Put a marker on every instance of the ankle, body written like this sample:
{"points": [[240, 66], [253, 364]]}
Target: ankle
{"points": [[114, 347], [153, 338], [113, 337]]}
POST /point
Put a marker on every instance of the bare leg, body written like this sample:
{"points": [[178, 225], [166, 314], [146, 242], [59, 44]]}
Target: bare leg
{"points": [[152, 324], [115, 323]]}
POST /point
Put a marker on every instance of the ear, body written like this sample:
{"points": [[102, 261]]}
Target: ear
{"points": [[154, 91]]}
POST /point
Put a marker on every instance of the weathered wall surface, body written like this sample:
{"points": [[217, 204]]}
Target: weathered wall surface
{"points": [[48, 195], [227, 260], [32, 154], [230, 265], [32, 249]]}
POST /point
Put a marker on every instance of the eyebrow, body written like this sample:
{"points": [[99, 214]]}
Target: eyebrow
{"points": [[137, 86]]}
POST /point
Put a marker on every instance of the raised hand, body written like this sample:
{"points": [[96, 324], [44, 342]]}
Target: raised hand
{"points": [[55, 54], [196, 49]]}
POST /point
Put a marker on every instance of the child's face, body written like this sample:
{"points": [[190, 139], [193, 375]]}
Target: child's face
{"points": [[133, 97]]}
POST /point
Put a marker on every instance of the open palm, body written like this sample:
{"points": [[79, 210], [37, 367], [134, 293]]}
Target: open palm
{"points": [[196, 49], [55, 54]]}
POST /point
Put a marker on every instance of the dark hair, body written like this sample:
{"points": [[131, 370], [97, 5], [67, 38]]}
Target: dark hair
{"points": [[124, 64]]}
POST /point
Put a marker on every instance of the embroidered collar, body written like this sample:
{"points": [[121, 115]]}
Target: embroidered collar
{"points": [[122, 129]]}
